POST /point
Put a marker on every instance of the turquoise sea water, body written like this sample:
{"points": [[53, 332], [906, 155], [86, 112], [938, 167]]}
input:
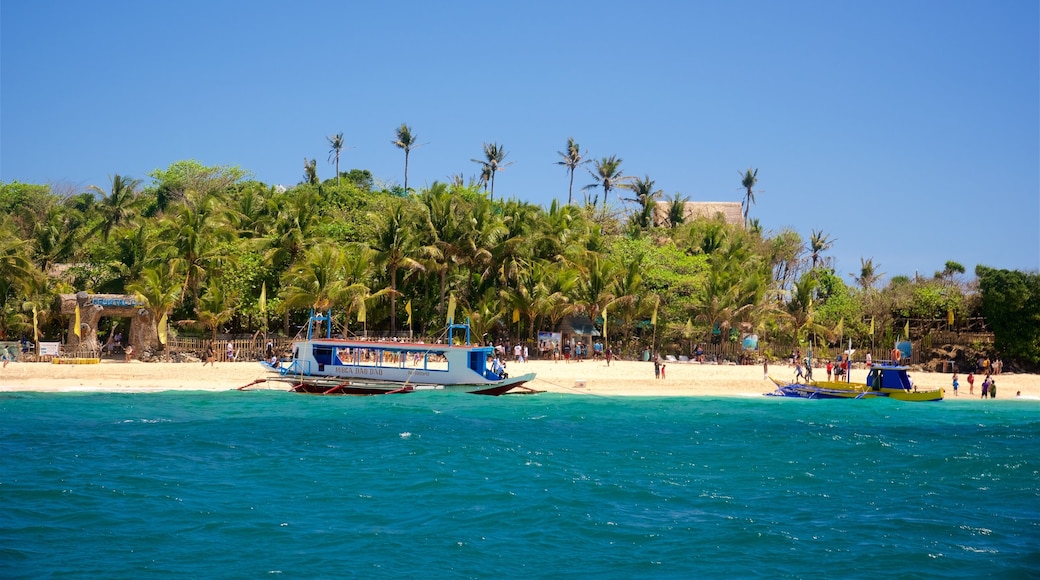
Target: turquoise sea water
{"points": [[433, 484]]}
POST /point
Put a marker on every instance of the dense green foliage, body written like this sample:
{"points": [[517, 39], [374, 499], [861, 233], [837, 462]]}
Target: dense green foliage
{"points": [[203, 242], [1011, 305]]}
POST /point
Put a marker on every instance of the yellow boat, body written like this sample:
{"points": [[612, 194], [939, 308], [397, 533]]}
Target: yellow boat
{"points": [[883, 381]]}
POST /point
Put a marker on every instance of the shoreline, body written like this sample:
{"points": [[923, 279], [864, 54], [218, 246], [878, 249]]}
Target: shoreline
{"points": [[621, 378]]}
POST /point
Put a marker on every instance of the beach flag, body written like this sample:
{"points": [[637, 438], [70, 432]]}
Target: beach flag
{"points": [[451, 309], [604, 323], [949, 316], [361, 314], [76, 330], [36, 327], [516, 314], [408, 309], [906, 329], [840, 329], [162, 329], [263, 298], [653, 317], [871, 326]]}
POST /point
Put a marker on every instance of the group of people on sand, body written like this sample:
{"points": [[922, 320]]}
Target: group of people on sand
{"points": [[659, 365], [989, 386]]}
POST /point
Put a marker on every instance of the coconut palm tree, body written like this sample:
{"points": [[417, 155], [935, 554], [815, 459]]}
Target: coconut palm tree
{"points": [[572, 158], [336, 145], [317, 280], [396, 247], [493, 162], [868, 274], [677, 210], [160, 289], [116, 205], [195, 230], [405, 140], [748, 179], [819, 242], [214, 308], [310, 171], [608, 175]]}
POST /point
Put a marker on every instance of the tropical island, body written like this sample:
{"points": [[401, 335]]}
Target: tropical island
{"points": [[209, 255]]}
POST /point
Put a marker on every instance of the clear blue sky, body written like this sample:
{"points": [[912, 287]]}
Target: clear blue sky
{"points": [[909, 131]]}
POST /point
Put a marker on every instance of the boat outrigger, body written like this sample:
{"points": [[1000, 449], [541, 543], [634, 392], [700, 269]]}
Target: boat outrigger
{"points": [[887, 380], [332, 366]]}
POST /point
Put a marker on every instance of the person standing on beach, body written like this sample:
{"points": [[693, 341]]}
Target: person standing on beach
{"points": [[6, 356], [985, 388], [765, 369], [830, 369], [955, 384], [210, 356], [230, 351], [609, 354], [971, 383], [657, 367], [870, 361], [129, 351], [993, 389]]}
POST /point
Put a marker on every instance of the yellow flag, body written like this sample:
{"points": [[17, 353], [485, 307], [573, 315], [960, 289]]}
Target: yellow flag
{"points": [[949, 316], [653, 319], [361, 314], [840, 329], [906, 329], [162, 329], [36, 327], [516, 315], [76, 330], [408, 309], [451, 309], [871, 326], [263, 298], [604, 323]]}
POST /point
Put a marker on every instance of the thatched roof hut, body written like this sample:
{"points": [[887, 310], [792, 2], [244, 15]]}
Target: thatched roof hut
{"points": [[729, 210]]}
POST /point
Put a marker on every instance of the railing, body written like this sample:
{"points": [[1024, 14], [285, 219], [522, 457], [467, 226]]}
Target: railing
{"points": [[245, 349]]}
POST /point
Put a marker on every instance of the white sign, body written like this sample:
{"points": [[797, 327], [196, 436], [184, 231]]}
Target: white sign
{"points": [[49, 348]]}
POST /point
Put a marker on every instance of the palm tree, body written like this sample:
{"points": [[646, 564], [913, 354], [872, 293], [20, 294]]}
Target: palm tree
{"points": [[608, 175], [818, 243], [317, 281], [194, 234], [160, 289], [572, 158], [395, 245], [868, 274], [405, 140], [214, 308], [336, 144], [116, 205], [677, 210], [310, 171], [748, 179], [494, 155]]}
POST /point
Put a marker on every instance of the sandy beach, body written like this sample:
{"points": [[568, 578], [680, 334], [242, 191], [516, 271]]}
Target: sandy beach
{"points": [[621, 378]]}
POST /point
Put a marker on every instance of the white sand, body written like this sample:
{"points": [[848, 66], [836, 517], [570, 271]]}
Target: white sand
{"points": [[621, 378]]}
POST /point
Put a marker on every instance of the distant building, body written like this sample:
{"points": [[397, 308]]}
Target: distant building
{"points": [[731, 211]]}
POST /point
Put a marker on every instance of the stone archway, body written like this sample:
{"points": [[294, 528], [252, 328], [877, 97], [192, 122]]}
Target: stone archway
{"points": [[92, 307]]}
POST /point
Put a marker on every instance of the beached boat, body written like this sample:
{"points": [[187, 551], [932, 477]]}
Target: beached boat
{"points": [[883, 381], [333, 366]]}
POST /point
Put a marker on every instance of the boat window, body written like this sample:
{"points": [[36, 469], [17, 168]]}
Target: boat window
{"points": [[323, 355]]}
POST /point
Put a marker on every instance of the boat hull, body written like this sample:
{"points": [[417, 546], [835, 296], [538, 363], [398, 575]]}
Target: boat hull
{"points": [[834, 390], [327, 386]]}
